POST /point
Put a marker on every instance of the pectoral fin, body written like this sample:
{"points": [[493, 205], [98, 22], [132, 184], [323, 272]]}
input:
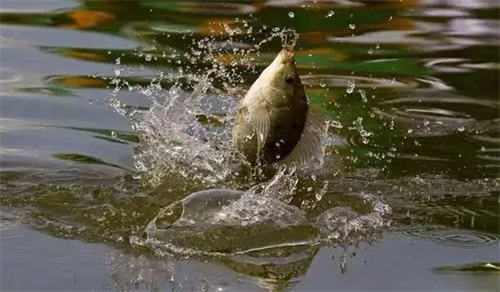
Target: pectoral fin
{"points": [[260, 120]]}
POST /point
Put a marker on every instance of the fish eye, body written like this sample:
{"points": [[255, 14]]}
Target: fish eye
{"points": [[289, 79]]}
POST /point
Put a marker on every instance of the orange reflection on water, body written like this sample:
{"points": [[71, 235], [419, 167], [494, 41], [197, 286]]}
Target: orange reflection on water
{"points": [[84, 19], [82, 81], [218, 27], [77, 54]]}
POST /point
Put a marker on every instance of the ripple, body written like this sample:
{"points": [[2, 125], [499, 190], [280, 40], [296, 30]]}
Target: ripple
{"points": [[439, 100], [490, 154], [446, 65], [442, 12], [473, 267], [30, 6], [9, 76], [486, 138], [473, 27], [53, 37], [435, 116], [458, 65], [453, 237], [323, 4], [361, 82], [204, 8]]}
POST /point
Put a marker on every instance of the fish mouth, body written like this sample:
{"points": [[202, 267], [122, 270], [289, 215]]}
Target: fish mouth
{"points": [[287, 54]]}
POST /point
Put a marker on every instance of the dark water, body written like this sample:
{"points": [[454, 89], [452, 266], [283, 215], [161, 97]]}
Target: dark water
{"points": [[413, 84]]}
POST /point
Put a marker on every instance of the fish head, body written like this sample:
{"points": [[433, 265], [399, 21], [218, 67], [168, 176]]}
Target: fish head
{"points": [[280, 80], [283, 73]]}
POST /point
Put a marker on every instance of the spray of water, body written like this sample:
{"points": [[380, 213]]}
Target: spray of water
{"points": [[186, 128]]}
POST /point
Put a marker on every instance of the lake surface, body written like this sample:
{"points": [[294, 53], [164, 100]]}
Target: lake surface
{"points": [[112, 110]]}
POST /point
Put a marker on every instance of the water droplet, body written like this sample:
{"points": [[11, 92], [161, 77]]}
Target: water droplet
{"points": [[352, 26], [461, 129], [117, 61], [363, 95], [483, 148], [291, 14], [148, 57], [335, 124], [319, 195], [113, 134], [350, 86], [370, 51], [330, 13], [322, 83]]}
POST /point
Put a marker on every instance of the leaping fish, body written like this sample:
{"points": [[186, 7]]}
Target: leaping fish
{"points": [[273, 122]]}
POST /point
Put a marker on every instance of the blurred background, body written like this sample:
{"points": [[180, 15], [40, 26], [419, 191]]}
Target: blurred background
{"points": [[410, 87]]}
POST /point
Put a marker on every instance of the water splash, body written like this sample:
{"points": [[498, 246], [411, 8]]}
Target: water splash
{"points": [[186, 127], [343, 223], [186, 130], [358, 126], [220, 222]]}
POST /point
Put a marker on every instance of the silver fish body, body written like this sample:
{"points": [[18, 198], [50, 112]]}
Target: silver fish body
{"points": [[272, 115]]}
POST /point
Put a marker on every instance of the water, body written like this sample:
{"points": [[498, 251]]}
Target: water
{"points": [[113, 110]]}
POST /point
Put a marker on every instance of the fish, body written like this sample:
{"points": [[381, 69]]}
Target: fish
{"points": [[273, 122]]}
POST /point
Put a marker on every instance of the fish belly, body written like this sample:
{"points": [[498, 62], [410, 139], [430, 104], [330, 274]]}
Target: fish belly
{"points": [[286, 126]]}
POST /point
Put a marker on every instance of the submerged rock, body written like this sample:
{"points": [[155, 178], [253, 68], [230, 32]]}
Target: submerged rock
{"points": [[229, 222]]}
